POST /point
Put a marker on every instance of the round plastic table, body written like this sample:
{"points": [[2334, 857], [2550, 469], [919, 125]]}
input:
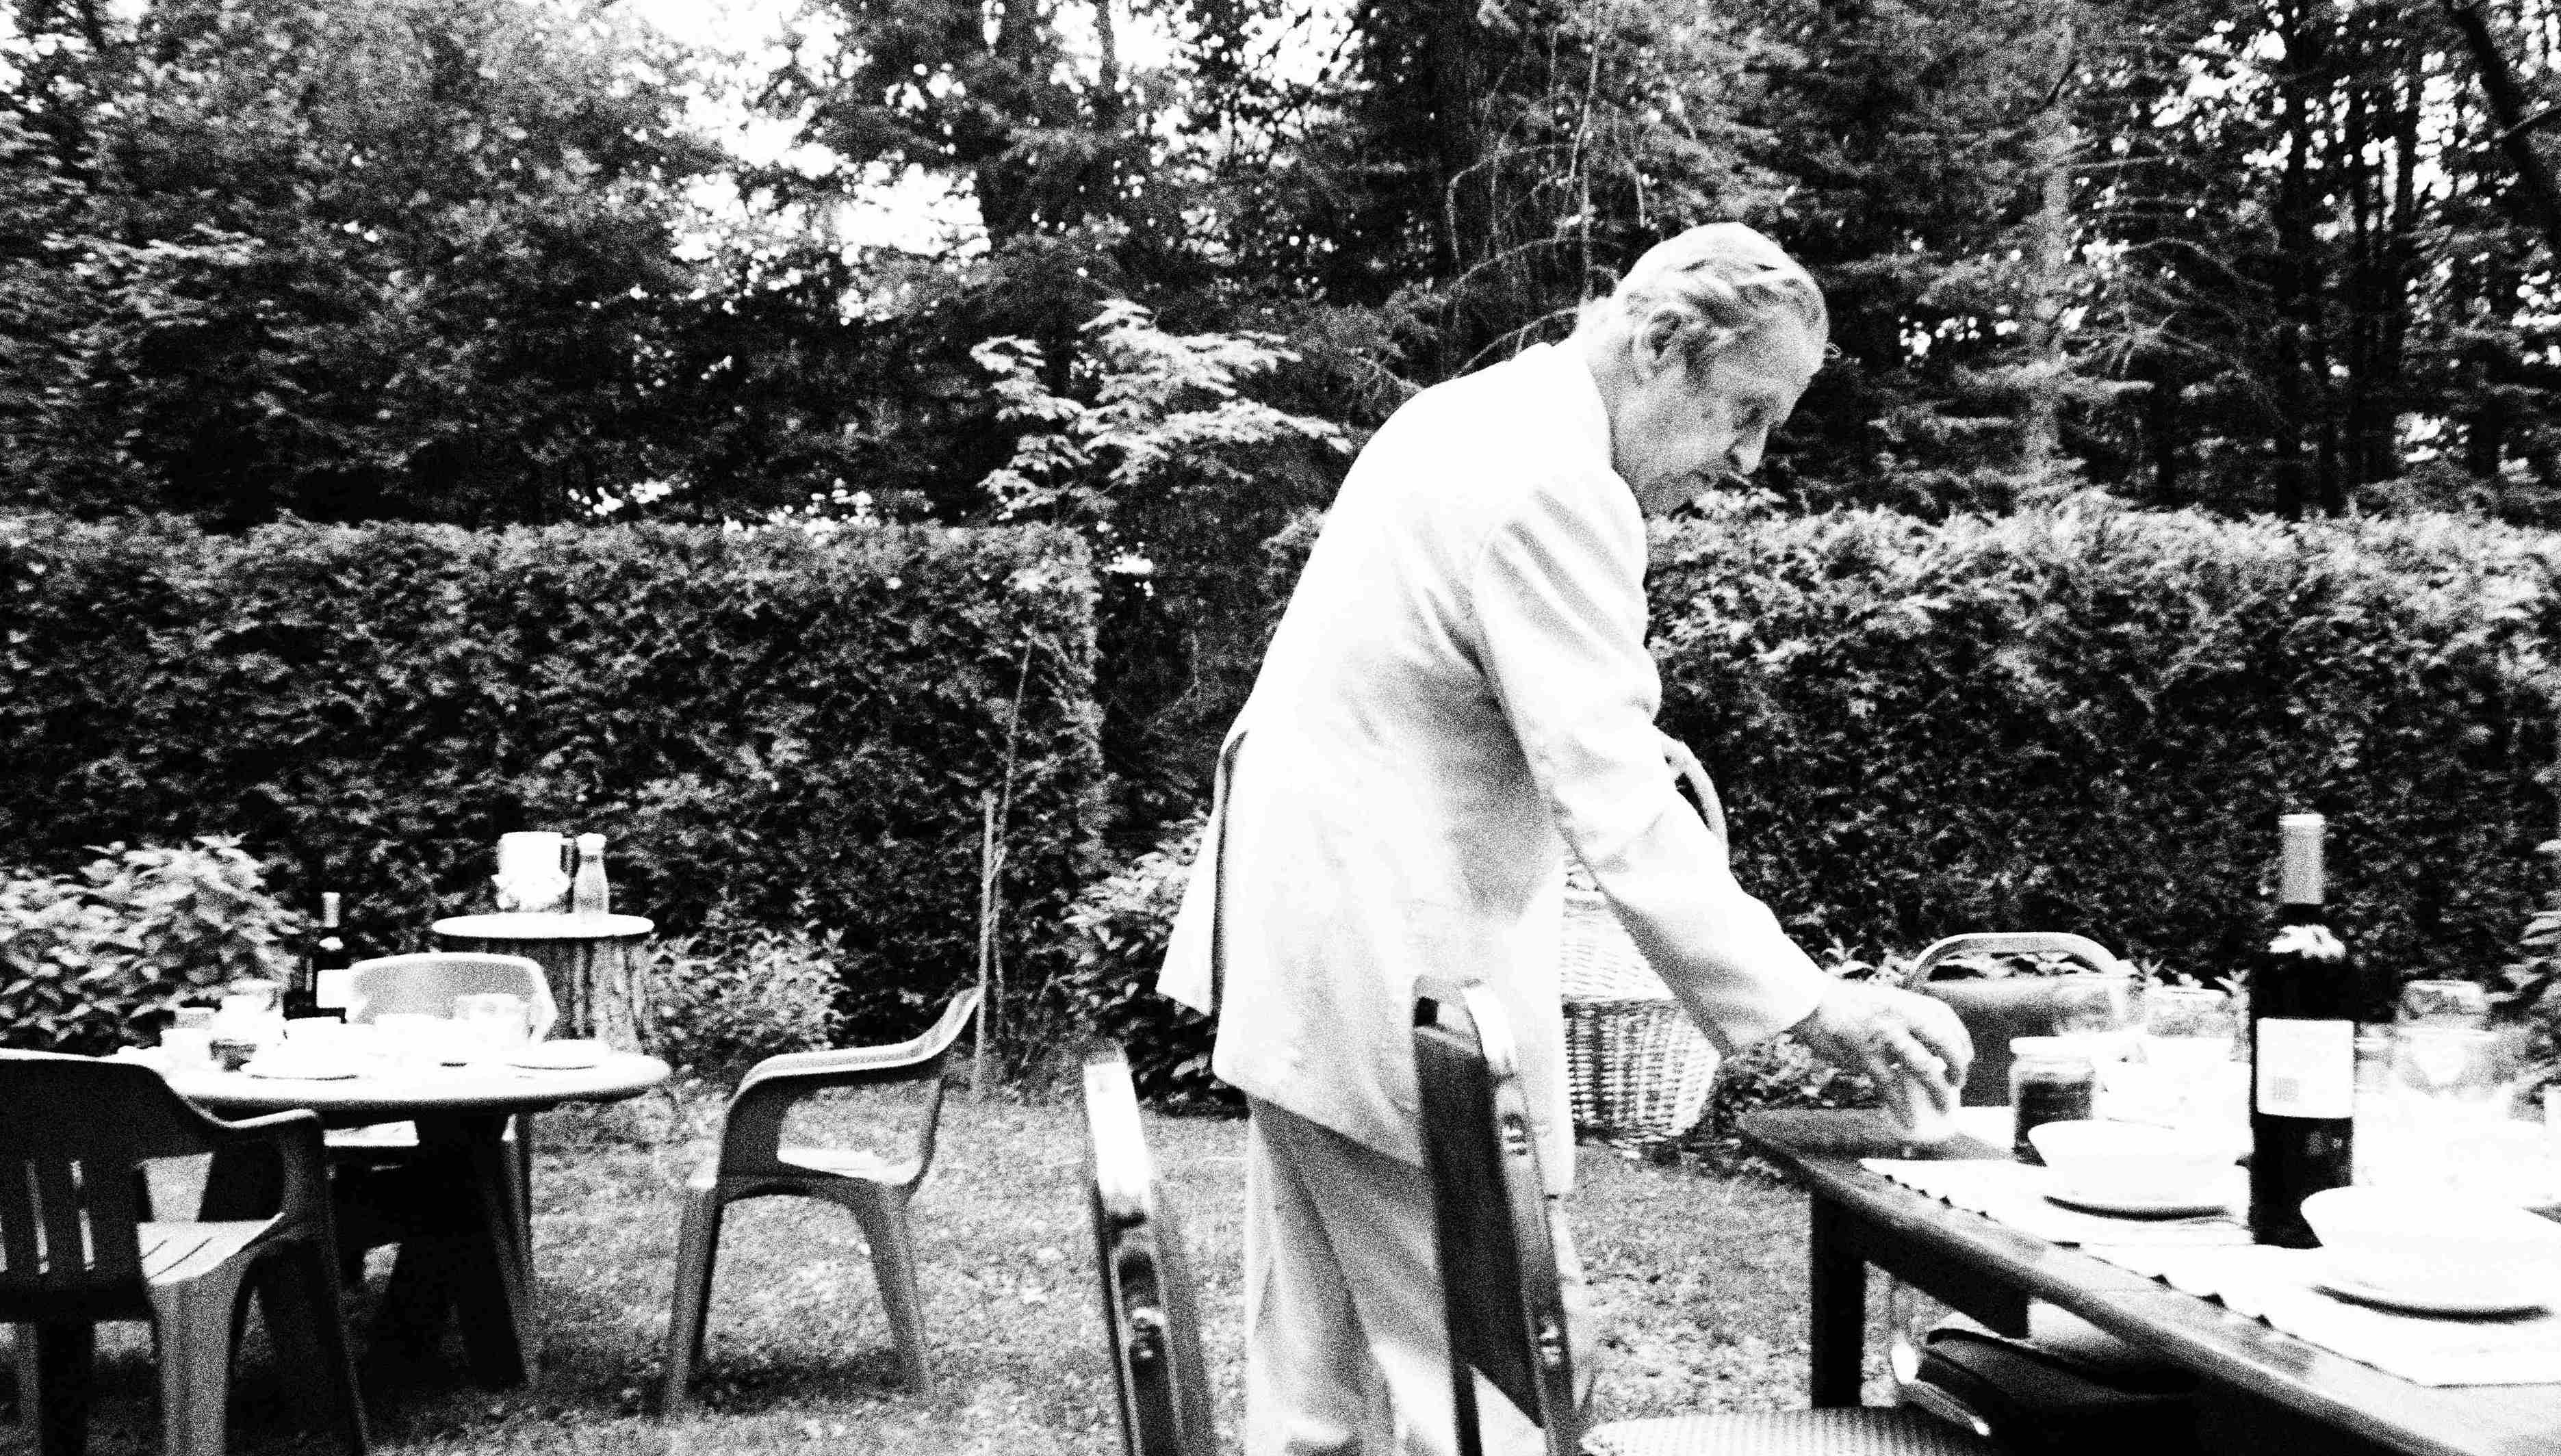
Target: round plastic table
{"points": [[587, 958], [455, 1209]]}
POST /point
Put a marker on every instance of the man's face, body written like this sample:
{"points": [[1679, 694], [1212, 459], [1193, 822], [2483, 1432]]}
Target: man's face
{"points": [[1679, 434]]}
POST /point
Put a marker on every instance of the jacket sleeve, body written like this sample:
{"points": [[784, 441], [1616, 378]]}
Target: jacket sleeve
{"points": [[1559, 602]]}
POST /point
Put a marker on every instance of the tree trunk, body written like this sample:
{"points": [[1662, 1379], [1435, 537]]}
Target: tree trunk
{"points": [[2162, 425], [2051, 250]]}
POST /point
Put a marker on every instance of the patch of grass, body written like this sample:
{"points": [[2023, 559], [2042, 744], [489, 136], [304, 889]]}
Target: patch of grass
{"points": [[1700, 1275]]}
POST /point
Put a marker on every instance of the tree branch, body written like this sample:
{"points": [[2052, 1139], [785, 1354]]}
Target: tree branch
{"points": [[2506, 101]]}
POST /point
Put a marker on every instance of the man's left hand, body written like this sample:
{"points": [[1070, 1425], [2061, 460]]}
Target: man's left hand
{"points": [[1888, 1033]]}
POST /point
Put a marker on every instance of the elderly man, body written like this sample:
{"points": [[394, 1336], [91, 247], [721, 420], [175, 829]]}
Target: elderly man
{"points": [[1459, 693]]}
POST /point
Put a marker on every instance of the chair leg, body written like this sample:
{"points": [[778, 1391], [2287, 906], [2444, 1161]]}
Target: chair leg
{"points": [[524, 1186], [22, 1351], [61, 1359], [194, 1325], [883, 1214], [697, 1247], [309, 1323]]}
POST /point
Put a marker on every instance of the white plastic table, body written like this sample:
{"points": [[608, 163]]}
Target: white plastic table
{"points": [[460, 1247]]}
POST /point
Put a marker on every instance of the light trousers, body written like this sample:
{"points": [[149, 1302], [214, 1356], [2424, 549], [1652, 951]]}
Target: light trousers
{"points": [[1345, 1351]]}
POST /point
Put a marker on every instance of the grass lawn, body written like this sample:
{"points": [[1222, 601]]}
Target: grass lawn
{"points": [[1700, 1278]]}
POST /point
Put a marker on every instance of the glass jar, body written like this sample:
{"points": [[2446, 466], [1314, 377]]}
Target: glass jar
{"points": [[2051, 1079]]}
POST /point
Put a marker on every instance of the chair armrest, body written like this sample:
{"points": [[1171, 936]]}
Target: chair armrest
{"points": [[842, 1066], [302, 1151], [2013, 942]]}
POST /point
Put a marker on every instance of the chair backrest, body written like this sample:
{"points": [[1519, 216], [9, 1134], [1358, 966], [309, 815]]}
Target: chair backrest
{"points": [[427, 984], [1996, 1009], [752, 1131], [1149, 1308], [1500, 1296], [75, 1132]]}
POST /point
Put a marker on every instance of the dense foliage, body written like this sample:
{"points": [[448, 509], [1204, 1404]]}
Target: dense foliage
{"points": [[788, 730], [91, 961], [2087, 719], [2079, 718]]}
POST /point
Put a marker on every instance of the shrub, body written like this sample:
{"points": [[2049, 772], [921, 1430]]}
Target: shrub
{"points": [[723, 998], [86, 963], [755, 720], [1116, 933]]}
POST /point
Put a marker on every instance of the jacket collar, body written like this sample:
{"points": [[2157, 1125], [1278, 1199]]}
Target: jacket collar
{"points": [[1559, 373]]}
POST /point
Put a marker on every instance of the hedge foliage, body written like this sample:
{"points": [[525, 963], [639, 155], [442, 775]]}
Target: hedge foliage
{"points": [[2088, 720], [781, 729], [2082, 719]]}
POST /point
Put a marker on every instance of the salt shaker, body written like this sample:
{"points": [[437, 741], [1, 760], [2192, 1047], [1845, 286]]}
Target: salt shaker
{"points": [[587, 893]]}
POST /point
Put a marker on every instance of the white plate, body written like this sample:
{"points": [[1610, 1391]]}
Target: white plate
{"points": [[296, 1070], [2429, 1302], [558, 1056], [2141, 1207]]}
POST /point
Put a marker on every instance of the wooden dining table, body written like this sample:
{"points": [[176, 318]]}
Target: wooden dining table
{"points": [[453, 1210], [2265, 1390]]}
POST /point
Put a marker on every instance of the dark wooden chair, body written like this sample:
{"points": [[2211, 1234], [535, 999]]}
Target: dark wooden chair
{"points": [[1998, 1008], [75, 1249], [1501, 1296], [872, 1184], [1149, 1308]]}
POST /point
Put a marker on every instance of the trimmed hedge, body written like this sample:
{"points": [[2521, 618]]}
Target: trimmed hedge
{"points": [[2083, 720], [2088, 720], [786, 730]]}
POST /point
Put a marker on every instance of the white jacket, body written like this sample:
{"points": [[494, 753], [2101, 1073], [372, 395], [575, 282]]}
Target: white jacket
{"points": [[1461, 677]]}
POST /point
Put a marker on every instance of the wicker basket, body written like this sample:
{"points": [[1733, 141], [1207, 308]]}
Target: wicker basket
{"points": [[1637, 1068]]}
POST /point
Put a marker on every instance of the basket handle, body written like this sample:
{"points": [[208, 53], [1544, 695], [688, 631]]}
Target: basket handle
{"points": [[1694, 774]]}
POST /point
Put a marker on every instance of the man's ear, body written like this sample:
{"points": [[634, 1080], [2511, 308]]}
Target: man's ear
{"points": [[1675, 338]]}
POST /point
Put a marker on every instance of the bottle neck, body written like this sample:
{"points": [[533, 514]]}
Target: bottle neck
{"points": [[2299, 874], [2293, 912], [329, 912]]}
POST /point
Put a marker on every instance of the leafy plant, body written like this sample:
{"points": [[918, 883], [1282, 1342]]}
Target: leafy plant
{"points": [[1116, 933], [2529, 992], [86, 963], [723, 998]]}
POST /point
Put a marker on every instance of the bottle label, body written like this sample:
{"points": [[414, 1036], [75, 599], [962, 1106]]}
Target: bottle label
{"points": [[2306, 1068], [334, 989]]}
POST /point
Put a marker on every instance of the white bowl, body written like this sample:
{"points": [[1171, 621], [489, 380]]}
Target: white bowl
{"points": [[2132, 1162], [2436, 1244]]}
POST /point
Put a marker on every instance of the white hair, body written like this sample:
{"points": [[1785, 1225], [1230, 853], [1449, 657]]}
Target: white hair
{"points": [[1723, 282]]}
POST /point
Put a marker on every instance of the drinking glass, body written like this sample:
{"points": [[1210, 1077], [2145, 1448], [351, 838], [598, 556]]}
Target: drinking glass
{"points": [[2458, 1083], [2445, 1004], [2188, 1034], [2451, 1066], [497, 1020], [2096, 1010]]}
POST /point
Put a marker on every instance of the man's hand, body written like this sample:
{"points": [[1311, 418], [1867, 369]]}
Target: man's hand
{"points": [[1888, 1033]]}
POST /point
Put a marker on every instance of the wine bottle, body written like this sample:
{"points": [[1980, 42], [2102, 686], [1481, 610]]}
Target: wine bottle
{"points": [[2302, 1049], [319, 987], [587, 895]]}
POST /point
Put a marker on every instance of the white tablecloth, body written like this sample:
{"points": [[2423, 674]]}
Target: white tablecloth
{"points": [[2212, 1258]]}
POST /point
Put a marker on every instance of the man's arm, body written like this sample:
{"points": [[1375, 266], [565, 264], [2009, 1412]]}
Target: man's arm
{"points": [[1559, 597]]}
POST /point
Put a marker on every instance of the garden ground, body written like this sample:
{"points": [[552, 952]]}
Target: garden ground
{"points": [[1699, 1276]]}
